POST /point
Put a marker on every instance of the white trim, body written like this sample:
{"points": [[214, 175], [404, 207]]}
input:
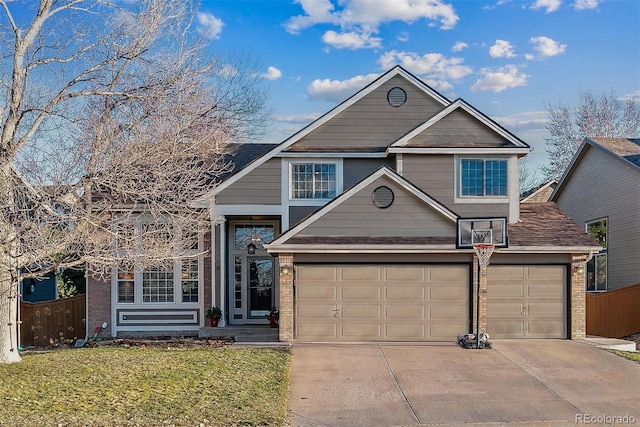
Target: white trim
{"points": [[460, 103], [223, 271], [224, 210], [384, 171], [213, 270], [513, 189], [295, 154], [284, 194], [453, 150], [396, 71], [399, 164], [422, 249]]}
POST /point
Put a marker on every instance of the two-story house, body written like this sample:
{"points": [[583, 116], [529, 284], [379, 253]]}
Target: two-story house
{"points": [[360, 227]]}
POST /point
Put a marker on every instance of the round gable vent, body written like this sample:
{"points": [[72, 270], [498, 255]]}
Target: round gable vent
{"points": [[382, 197], [396, 96]]}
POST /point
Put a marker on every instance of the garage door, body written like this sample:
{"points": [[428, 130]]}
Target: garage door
{"points": [[381, 302], [526, 301]]}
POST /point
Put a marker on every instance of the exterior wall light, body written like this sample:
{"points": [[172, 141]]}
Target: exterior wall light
{"points": [[285, 269]]}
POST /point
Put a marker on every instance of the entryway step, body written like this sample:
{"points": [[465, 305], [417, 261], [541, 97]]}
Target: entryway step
{"points": [[257, 333]]}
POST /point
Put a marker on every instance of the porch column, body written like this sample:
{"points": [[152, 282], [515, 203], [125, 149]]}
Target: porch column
{"points": [[223, 272], [578, 297], [286, 297]]}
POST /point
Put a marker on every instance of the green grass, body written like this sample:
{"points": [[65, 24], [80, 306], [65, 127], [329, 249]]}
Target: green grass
{"points": [[146, 387], [628, 355]]}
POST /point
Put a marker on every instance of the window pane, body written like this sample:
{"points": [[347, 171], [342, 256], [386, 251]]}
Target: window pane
{"points": [[259, 235], [157, 284], [598, 230], [190, 280], [601, 272], [313, 180], [495, 178], [471, 177], [125, 286]]}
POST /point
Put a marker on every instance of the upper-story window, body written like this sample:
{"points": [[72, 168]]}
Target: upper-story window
{"points": [[596, 276], [482, 177], [314, 180]]}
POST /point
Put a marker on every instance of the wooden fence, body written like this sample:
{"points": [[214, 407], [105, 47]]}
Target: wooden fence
{"points": [[44, 323], [614, 314]]}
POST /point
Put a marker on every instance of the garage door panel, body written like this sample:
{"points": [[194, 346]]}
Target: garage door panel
{"points": [[405, 331], [409, 293], [500, 310], [545, 290], [553, 309], [506, 328], [361, 311], [360, 293], [505, 273], [405, 312], [360, 273], [404, 274], [316, 273], [382, 302], [316, 310], [361, 331], [510, 290], [544, 329], [319, 331], [318, 292], [443, 293], [553, 273]]}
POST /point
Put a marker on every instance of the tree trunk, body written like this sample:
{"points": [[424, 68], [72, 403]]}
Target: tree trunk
{"points": [[8, 318]]}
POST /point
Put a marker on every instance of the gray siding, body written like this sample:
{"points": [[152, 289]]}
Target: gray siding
{"points": [[407, 216], [458, 127], [355, 170], [435, 175], [298, 213], [601, 186], [371, 122], [261, 186]]}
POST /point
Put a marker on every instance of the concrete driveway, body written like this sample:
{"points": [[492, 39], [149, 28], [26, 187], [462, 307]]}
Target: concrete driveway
{"points": [[541, 382]]}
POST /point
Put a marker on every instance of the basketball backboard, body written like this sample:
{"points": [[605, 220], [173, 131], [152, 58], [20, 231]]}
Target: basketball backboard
{"points": [[473, 231]]}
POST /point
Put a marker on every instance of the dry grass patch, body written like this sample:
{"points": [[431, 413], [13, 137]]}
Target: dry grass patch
{"points": [[631, 355], [132, 386]]}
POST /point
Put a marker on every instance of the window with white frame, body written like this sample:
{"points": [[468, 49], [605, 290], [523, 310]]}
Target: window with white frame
{"points": [[596, 274], [482, 177], [170, 282], [310, 180]]}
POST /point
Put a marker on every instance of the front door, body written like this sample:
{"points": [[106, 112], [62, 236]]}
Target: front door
{"points": [[252, 293]]}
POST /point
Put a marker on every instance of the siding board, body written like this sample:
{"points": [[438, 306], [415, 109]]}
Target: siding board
{"points": [[261, 186]]}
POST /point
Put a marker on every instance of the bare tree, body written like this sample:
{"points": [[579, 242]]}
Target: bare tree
{"points": [[607, 116], [109, 112]]}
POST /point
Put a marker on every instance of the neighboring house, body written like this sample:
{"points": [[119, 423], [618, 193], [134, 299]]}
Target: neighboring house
{"points": [[357, 228], [600, 190], [540, 193]]}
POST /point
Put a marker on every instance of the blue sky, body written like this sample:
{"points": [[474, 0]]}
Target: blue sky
{"points": [[507, 58]]}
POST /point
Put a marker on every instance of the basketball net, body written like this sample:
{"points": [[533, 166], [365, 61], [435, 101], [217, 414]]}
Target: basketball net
{"points": [[484, 251]]}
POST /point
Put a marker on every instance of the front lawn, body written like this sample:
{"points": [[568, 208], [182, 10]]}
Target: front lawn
{"points": [[136, 386]]}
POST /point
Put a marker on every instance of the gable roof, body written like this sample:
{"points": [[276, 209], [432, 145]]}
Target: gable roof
{"points": [[405, 144], [546, 225], [624, 150], [395, 71], [289, 236], [539, 193]]}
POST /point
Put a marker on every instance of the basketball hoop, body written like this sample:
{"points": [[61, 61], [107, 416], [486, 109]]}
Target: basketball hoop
{"points": [[484, 251]]}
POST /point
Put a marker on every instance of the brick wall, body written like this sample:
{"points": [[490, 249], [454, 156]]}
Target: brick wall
{"points": [[98, 304], [483, 296], [578, 303], [286, 298]]}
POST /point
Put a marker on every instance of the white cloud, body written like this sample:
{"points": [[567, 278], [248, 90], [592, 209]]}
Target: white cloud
{"points": [[272, 74], [633, 95], [459, 46], [338, 90], [524, 120], [506, 77], [209, 26], [365, 16], [433, 67], [501, 49], [546, 47], [586, 4], [550, 5], [403, 37], [350, 40]]}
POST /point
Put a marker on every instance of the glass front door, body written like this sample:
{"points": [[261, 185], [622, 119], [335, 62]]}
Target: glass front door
{"points": [[252, 288]]}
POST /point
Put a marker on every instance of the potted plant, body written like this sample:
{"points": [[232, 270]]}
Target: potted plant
{"points": [[274, 316], [214, 314]]}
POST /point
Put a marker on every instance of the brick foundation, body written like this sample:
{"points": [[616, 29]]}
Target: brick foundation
{"points": [[98, 304]]}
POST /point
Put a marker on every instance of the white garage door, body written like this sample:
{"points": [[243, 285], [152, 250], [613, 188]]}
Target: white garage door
{"points": [[526, 301], [381, 302]]}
